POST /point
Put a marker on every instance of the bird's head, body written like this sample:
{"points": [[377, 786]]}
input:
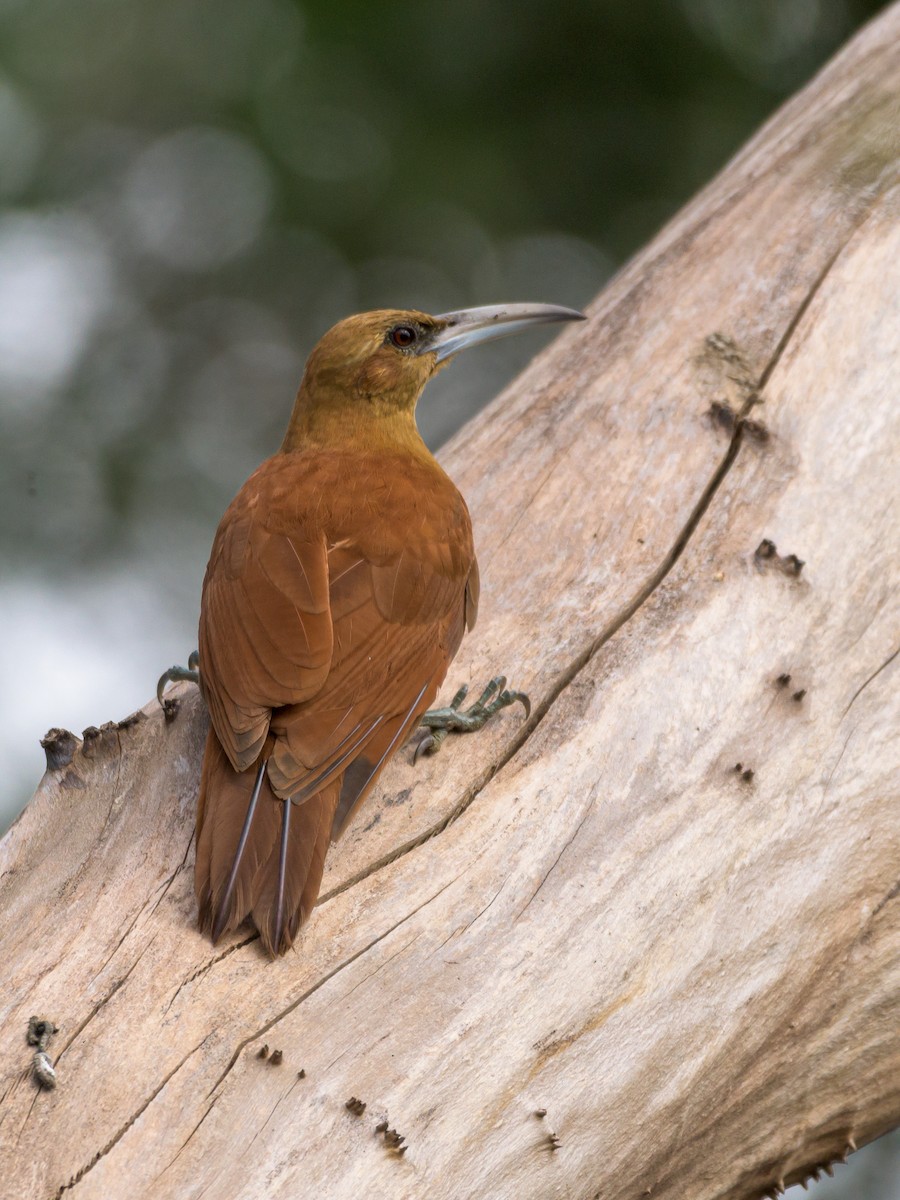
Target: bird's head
{"points": [[376, 364]]}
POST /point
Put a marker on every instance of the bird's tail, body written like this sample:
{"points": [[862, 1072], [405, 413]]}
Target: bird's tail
{"points": [[257, 855]]}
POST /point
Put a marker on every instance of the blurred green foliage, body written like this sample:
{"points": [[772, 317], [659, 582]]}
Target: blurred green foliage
{"points": [[194, 190]]}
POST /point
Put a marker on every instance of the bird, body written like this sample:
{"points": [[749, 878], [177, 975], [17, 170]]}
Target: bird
{"points": [[341, 580]]}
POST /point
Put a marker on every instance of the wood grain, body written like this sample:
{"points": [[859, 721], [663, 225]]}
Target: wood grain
{"points": [[693, 968]]}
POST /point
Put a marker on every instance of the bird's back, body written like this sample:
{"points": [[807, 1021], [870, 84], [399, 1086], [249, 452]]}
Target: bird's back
{"points": [[337, 592]]}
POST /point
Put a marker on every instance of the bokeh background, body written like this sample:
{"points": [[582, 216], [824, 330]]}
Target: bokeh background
{"points": [[192, 191]]}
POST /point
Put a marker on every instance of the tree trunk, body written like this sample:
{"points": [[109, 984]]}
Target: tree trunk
{"points": [[664, 909]]}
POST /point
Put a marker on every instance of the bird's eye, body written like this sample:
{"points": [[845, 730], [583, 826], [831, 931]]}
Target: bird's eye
{"points": [[403, 336]]}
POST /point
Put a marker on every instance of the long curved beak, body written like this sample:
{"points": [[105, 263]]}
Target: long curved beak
{"points": [[472, 325]]}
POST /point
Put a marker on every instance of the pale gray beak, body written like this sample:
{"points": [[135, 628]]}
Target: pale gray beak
{"points": [[472, 325]]}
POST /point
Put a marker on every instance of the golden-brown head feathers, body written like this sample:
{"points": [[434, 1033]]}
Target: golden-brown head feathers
{"points": [[374, 356], [365, 377]]}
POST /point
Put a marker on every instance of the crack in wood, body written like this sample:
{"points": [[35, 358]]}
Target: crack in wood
{"points": [[181, 866], [813, 290], [567, 677], [263, 1029], [27, 1117], [106, 999], [137, 916], [890, 895], [482, 911], [802, 309], [450, 936], [523, 512], [555, 863], [862, 687], [837, 764], [262, 1127], [253, 937], [172, 1161], [14, 1082], [89, 1166], [381, 966]]}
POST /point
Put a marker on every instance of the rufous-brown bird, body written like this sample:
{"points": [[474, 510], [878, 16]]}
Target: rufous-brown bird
{"points": [[341, 580]]}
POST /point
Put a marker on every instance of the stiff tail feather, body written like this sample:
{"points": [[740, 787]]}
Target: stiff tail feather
{"points": [[257, 855]]}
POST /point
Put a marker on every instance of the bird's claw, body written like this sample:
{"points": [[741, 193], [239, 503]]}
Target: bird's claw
{"points": [[441, 721], [191, 673], [428, 744]]}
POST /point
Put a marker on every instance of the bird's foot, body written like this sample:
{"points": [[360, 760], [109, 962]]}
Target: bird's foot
{"points": [[452, 719], [191, 673]]}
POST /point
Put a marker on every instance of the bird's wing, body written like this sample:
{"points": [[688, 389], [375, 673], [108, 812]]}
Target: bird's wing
{"points": [[334, 650], [262, 834], [265, 629], [396, 625]]}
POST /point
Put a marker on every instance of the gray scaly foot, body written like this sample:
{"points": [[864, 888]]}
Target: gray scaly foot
{"points": [[452, 719], [191, 673]]}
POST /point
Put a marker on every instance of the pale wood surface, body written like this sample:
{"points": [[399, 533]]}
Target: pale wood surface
{"points": [[695, 974]]}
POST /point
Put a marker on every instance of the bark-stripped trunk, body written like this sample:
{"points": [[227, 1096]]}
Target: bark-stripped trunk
{"points": [[665, 910]]}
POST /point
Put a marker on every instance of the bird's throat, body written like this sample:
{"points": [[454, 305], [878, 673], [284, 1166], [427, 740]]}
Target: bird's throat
{"points": [[368, 423]]}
